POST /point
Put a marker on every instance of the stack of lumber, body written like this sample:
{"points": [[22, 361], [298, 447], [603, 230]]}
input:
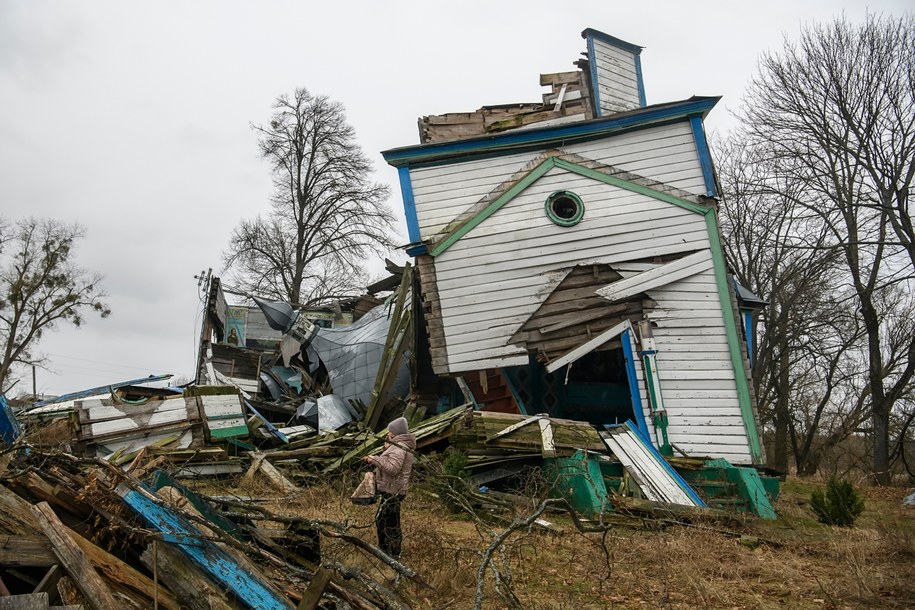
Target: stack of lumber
{"points": [[82, 533]]}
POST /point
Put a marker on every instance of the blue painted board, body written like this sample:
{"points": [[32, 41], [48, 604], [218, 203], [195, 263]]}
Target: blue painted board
{"points": [[212, 559]]}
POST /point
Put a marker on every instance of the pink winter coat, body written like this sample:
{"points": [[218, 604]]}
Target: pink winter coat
{"points": [[393, 466]]}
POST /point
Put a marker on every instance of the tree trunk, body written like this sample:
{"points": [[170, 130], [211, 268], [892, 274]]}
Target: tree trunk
{"points": [[782, 409], [881, 423]]}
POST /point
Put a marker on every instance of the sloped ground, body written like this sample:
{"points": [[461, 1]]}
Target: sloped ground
{"points": [[747, 563]]}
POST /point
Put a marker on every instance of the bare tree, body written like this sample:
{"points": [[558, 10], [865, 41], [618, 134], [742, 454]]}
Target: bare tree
{"points": [[806, 370], [40, 286], [837, 112], [326, 217]]}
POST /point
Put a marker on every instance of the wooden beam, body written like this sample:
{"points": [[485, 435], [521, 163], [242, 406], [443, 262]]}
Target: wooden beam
{"points": [[586, 348], [26, 551], [679, 269], [315, 590], [28, 601], [48, 584], [122, 576], [74, 559]]}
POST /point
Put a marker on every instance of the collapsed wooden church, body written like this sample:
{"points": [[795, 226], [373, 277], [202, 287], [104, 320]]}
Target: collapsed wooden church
{"points": [[570, 262], [568, 272]]}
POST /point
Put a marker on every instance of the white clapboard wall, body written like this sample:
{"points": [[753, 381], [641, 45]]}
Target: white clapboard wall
{"points": [[694, 366], [491, 280], [666, 154], [223, 416], [108, 425], [617, 77]]}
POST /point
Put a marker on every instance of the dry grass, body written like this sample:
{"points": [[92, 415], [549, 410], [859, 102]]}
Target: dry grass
{"points": [[799, 563]]}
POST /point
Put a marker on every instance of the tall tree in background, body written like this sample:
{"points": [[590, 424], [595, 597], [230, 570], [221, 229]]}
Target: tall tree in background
{"points": [[327, 216], [807, 371], [40, 286], [835, 113]]}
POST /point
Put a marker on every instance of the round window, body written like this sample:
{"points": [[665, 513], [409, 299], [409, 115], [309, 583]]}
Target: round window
{"points": [[565, 208]]}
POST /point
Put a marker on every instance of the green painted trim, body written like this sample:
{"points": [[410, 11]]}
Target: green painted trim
{"points": [[493, 207], [227, 432], [468, 225], [730, 326], [226, 416], [629, 186], [514, 391], [558, 220]]}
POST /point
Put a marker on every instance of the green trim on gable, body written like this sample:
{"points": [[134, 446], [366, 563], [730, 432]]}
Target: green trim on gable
{"points": [[730, 326], [629, 186], [465, 227], [461, 230]]}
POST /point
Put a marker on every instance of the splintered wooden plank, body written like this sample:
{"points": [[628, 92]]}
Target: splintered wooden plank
{"points": [[588, 347], [24, 551], [315, 589], [668, 273], [225, 569], [74, 559], [26, 601], [123, 577]]}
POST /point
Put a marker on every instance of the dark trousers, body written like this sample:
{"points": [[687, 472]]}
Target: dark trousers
{"points": [[387, 522]]}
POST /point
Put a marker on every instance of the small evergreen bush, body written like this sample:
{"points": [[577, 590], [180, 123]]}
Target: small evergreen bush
{"points": [[839, 505]]}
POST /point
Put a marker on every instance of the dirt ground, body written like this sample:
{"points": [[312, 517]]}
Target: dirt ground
{"points": [[794, 562]]}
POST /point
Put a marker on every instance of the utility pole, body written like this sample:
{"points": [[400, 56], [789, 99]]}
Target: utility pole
{"points": [[34, 385]]}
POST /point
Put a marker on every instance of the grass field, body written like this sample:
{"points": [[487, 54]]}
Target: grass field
{"points": [[794, 562]]}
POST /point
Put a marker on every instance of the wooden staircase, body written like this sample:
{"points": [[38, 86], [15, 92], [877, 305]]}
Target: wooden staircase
{"points": [[491, 391]]}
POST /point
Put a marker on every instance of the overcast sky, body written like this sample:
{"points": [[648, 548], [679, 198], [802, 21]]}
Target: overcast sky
{"points": [[133, 119]]}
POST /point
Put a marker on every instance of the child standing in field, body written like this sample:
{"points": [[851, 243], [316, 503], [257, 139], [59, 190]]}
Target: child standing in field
{"points": [[392, 479]]}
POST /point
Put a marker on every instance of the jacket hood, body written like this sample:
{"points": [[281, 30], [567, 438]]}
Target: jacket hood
{"points": [[407, 440]]}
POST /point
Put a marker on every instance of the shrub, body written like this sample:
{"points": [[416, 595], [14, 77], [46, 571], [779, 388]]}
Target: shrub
{"points": [[839, 504]]}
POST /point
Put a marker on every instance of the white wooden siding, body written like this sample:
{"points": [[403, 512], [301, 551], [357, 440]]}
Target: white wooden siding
{"points": [[492, 280], [617, 79], [694, 366], [666, 153]]}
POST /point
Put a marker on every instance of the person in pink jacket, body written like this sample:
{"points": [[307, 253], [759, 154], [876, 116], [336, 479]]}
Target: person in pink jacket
{"points": [[392, 480]]}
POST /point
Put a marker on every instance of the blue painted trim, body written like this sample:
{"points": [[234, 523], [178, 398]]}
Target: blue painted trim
{"points": [[681, 482], [273, 429], [748, 334], [416, 249], [100, 389], [705, 157], [592, 68], [612, 40], [9, 425], [637, 411], [176, 530], [409, 205], [638, 74], [508, 142]]}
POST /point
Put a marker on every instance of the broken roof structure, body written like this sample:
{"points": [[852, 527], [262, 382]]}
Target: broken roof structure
{"points": [[570, 259]]}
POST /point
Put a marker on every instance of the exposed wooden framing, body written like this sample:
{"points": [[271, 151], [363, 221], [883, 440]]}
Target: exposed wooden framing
{"points": [[668, 273], [399, 332], [588, 347]]}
